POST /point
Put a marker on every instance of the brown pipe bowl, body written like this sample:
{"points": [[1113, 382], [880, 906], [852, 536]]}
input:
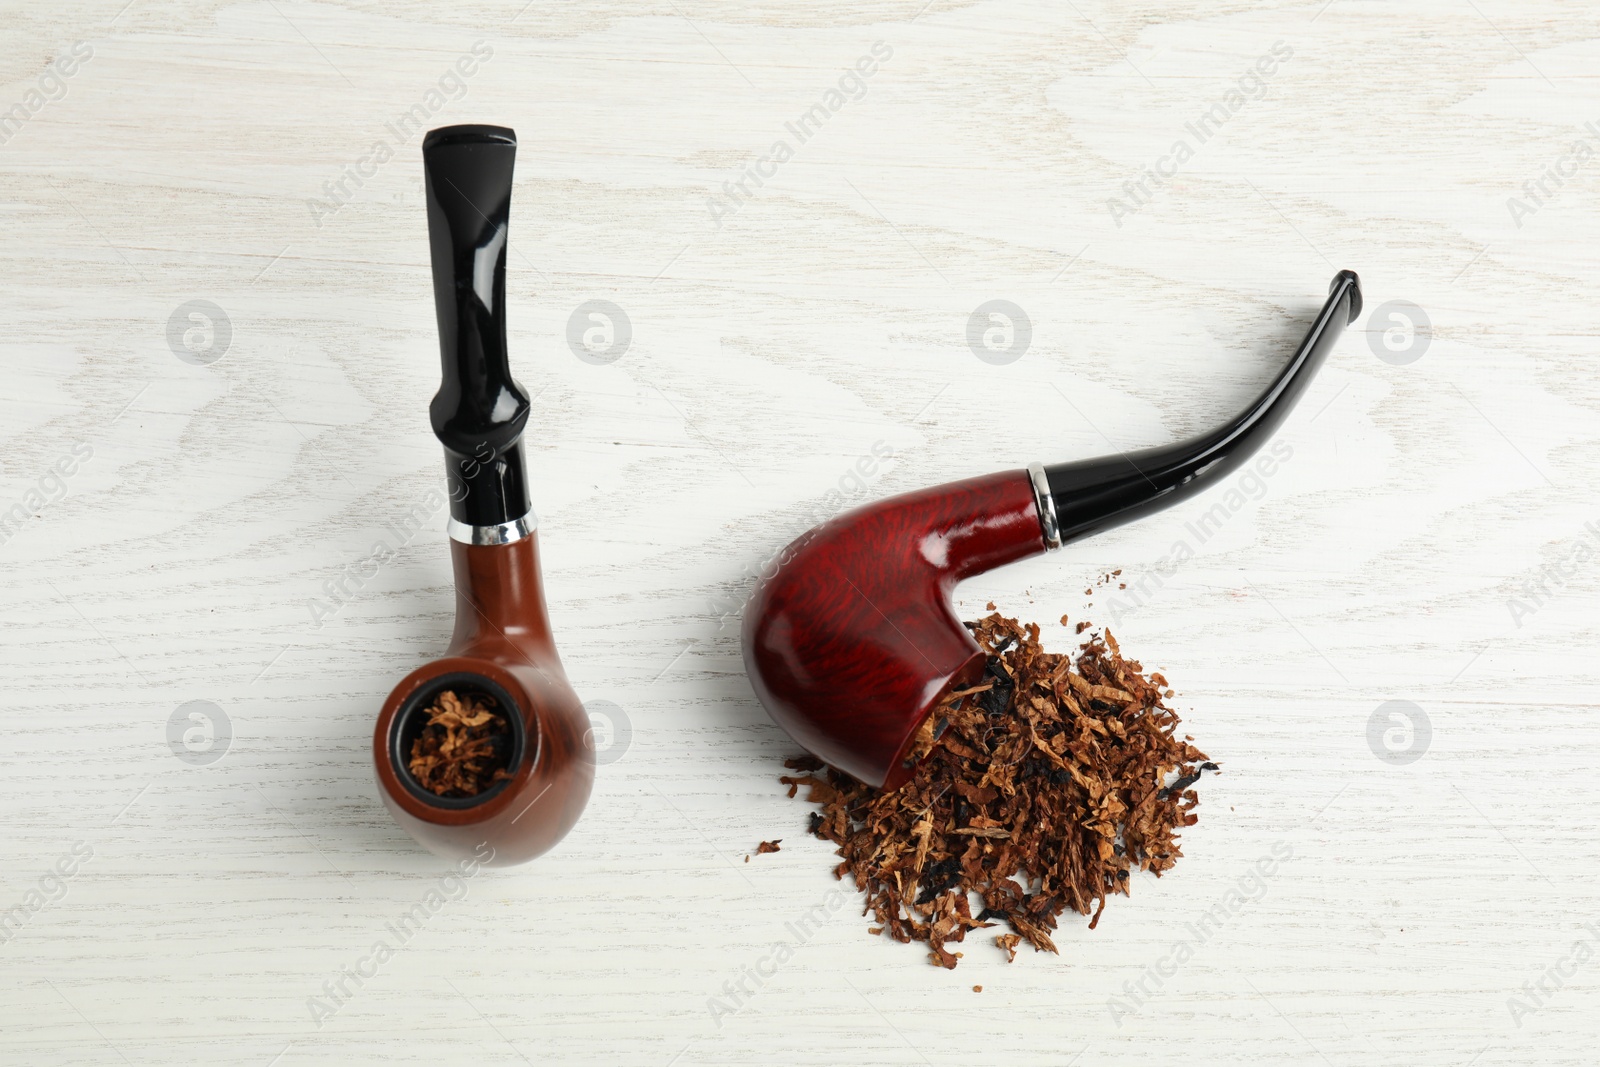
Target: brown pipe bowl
{"points": [[502, 640]]}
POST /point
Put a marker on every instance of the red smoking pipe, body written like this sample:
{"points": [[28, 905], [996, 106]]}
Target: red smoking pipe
{"points": [[502, 650], [853, 641]]}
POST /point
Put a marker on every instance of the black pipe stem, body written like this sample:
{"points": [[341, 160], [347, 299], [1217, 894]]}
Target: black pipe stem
{"points": [[480, 411], [1096, 494]]}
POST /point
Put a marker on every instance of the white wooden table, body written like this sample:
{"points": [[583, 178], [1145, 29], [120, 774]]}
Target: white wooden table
{"points": [[187, 485]]}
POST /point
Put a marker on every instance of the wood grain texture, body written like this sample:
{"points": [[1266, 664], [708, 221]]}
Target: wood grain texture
{"points": [[1424, 536]]}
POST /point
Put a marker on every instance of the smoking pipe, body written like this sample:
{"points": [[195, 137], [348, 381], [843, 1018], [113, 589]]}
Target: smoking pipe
{"points": [[501, 650], [853, 641]]}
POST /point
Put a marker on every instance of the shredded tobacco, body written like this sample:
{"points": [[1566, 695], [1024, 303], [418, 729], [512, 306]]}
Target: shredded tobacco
{"points": [[765, 847], [1039, 789], [464, 748]]}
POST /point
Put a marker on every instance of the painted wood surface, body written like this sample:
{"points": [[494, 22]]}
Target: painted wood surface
{"points": [[756, 251]]}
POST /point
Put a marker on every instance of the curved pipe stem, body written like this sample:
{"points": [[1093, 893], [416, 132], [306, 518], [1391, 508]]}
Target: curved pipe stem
{"points": [[1096, 494]]}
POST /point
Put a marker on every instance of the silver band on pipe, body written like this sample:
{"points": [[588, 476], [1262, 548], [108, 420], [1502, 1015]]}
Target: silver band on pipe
{"points": [[1046, 505], [500, 534]]}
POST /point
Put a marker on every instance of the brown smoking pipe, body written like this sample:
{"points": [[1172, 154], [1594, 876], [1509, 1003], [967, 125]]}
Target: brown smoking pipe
{"points": [[853, 642], [502, 650]]}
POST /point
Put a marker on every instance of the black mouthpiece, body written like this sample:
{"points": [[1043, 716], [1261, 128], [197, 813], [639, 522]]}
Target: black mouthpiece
{"points": [[480, 411], [1096, 494]]}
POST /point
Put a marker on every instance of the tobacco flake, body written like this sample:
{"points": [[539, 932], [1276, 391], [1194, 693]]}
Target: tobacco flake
{"points": [[463, 749]]}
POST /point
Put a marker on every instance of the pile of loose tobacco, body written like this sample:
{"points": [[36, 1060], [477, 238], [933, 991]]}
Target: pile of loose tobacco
{"points": [[1053, 777], [463, 749]]}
